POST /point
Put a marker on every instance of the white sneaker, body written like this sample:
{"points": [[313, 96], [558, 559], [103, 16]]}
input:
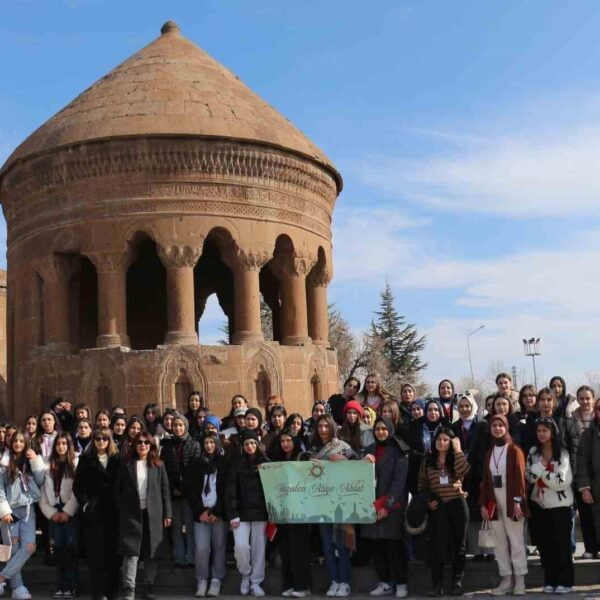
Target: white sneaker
{"points": [[257, 591], [401, 590], [382, 589], [21, 593], [587, 555], [563, 589], [333, 588], [2, 588], [300, 593], [245, 586], [548, 589], [343, 590], [214, 589], [287, 593], [201, 591]]}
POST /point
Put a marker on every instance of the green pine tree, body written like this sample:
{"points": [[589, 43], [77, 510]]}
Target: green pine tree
{"points": [[401, 342]]}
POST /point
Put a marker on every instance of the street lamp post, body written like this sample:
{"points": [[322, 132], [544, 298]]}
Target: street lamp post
{"points": [[532, 348], [469, 351]]}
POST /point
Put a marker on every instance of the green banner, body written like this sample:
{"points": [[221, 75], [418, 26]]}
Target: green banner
{"points": [[319, 491]]}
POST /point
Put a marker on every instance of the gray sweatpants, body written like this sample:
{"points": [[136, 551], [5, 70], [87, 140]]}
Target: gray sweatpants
{"points": [[250, 544], [211, 540]]}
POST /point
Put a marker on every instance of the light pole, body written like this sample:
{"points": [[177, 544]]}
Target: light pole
{"points": [[532, 348], [469, 351]]}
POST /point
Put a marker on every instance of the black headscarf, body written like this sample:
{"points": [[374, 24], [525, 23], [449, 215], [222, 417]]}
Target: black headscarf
{"points": [[391, 431]]}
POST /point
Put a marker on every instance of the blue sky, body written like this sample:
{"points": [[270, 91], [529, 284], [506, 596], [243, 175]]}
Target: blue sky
{"points": [[467, 133]]}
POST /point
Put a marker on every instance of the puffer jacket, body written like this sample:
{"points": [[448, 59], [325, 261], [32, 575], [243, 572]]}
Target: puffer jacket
{"points": [[177, 454], [244, 496], [66, 496], [13, 494], [572, 429]]}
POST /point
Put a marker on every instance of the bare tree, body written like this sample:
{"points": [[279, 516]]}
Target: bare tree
{"points": [[592, 378]]}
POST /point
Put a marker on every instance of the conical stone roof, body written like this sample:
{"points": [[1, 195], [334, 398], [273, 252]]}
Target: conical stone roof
{"points": [[170, 87]]}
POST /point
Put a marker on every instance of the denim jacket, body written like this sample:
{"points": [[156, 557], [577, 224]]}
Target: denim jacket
{"points": [[19, 492]]}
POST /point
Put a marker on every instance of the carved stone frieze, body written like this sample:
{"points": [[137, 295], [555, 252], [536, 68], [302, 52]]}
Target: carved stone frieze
{"points": [[245, 259], [292, 264]]}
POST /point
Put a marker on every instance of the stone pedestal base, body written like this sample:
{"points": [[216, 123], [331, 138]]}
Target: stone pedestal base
{"points": [[113, 341], [181, 338]]}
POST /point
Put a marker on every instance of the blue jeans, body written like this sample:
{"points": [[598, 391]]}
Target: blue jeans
{"points": [[184, 547], [22, 534], [338, 567], [65, 548]]}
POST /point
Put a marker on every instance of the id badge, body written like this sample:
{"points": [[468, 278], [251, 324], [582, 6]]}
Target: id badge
{"points": [[444, 480], [497, 481]]}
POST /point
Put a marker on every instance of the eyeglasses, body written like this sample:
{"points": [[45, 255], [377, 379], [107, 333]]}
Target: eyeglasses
{"points": [[101, 438], [143, 442]]}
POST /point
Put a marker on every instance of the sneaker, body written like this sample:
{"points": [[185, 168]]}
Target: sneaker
{"points": [[2, 588], [382, 589], [563, 589], [343, 590], [300, 593], [245, 587], [201, 589], [587, 555], [214, 589], [21, 593], [548, 589], [401, 590], [67, 594], [58, 594], [333, 588], [287, 593], [257, 591]]}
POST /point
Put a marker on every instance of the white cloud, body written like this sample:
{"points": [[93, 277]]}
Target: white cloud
{"points": [[522, 174]]}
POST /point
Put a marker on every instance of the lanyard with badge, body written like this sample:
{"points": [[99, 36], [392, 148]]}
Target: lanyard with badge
{"points": [[497, 478]]}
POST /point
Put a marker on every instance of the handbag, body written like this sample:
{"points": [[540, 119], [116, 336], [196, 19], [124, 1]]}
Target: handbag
{"points": [[486, 536], [6, 546]]}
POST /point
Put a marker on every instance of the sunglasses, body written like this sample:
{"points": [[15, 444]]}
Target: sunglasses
{"points": [[101, 438], [143, 442]]}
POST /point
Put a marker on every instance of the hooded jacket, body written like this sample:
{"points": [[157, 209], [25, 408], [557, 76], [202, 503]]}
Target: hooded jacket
{"points": [[13, 494]]}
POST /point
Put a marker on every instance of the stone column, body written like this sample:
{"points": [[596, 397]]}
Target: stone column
{"points": [[111, 268], [179, 263], [318, 313], [245, 266], [291, 271], [55, 272]]}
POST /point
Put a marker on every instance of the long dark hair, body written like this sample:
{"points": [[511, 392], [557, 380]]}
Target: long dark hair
{"points": [[14, 464], [60, 468], [276, 451], [152, 457], [316, 438], [525, 388], [40, 429], [433, 457], [555, 437]]}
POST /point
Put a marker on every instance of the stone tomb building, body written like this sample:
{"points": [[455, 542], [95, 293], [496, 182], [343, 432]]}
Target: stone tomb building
{"points": [[166, 181]]}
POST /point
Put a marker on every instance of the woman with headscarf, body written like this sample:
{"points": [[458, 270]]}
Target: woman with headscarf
{"points": [[502, 406], [565, 403], [407, 397], [177, 454], [503, 502], [549, 473], [420, 438], [205, 482], [447, 400], [472, 432], [391, 470]]}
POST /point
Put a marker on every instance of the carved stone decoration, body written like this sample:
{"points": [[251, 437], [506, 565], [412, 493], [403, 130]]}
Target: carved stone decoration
{"points": [[265, 358], [170, 371], [178, 257], [137, 185], [109, 262], [101, 369]]}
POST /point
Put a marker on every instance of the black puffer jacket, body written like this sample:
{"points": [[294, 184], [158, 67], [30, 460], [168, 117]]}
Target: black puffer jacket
{"points": [[244, 497], [177, 454], [194, 484]]}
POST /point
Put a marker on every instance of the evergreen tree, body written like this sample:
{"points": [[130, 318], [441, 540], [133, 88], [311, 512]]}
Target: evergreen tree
{"points": [[401, 344]]}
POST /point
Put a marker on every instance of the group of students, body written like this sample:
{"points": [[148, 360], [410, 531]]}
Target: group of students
{"points": [[109, 489]]}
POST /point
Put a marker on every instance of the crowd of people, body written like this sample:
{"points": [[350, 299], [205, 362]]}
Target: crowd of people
{"points": [[485, 478]]}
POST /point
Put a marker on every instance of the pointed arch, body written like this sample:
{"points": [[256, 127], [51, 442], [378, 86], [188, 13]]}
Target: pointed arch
{"points": [[179, 371], [263, 367], [102, 381]]}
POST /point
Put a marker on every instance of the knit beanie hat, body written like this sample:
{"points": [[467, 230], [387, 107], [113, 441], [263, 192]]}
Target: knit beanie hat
{"points": [[354, 405], [213, 420]]}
